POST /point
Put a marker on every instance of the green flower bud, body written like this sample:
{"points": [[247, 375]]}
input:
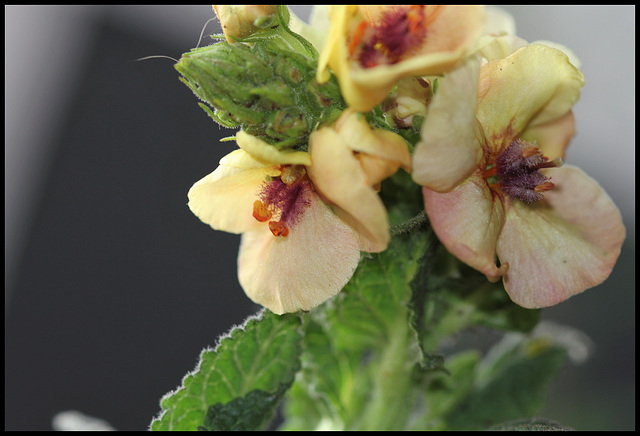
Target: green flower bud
{"points": [[264, 84]]}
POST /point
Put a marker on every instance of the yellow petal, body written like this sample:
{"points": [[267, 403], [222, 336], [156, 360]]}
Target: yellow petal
{"points": [[562, 245], [242, 160], [316, 31], [499, 47], [304, 269], [450, 149], [533, 86], [358, 135], [553, 137], [376, 169], [498, 22], [268, 153], [468, 221], [338, 176], [224, 199]]}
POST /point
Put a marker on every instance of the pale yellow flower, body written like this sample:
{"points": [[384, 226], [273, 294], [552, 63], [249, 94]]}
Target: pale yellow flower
{"points": [[490, 162], [303, 226], [369, 48]]}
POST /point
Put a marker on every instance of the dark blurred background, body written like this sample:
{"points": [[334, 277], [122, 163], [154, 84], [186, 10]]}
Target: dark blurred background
{"points": [[113, 287]]}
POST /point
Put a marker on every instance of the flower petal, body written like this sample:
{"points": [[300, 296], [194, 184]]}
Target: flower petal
{"points": [[498, 21], [337, 174], [562, 245], [304, 269], [268, 153], [224, 199], [450, 148], [358, 135], [553, 137], [533, 86], [468, 221]]}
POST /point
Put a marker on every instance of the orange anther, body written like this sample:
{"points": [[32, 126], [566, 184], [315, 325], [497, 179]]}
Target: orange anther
{"points": [[260, 211], [531, 151], [546, 186], [291, 173], [415, 17], [357, 36], [278, 228], [490, 172]]}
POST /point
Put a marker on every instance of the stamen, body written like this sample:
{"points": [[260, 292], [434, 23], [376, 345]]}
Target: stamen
{"points": [[531, 151], [490, 172], [291, 173], [260, 211], [546, 186], [357, 36], [278, 228], [516, 172], [283, 199], [557, 162]]}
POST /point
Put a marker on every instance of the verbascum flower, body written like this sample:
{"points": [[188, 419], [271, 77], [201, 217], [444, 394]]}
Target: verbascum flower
{"points": [[300, 242], [490, 160], [369, 48]]}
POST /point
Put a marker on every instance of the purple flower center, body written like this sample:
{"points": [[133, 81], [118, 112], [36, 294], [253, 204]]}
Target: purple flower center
{"points": [[399, 30], [284, 199], [517, 170]]}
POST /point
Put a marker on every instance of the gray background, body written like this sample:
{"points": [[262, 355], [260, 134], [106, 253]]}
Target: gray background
{"points": [[49, 51]]}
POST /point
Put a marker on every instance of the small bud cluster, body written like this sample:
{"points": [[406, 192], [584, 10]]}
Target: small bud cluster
{"points": [[262, 86]]}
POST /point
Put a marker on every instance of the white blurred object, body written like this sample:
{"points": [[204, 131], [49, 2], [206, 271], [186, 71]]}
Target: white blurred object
{"points": [[72, 420], [579, 346]]}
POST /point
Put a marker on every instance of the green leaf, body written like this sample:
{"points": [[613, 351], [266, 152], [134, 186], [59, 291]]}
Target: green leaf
{"points": [[510, 383], [252, 366], [533, 424], [251, 412], [443, 391], [449, 297], [360, 351]]}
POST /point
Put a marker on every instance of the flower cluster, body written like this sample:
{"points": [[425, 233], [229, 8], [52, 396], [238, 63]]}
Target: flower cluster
{"points": [[479, 117]]}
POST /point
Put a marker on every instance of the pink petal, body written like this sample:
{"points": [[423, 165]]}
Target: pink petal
{"points": [[562, 245], [450, 148], [302, 270], [468, 221]]}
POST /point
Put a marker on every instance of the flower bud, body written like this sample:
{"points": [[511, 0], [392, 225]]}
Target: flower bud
{"points": [[240, 21], [265, 88]]}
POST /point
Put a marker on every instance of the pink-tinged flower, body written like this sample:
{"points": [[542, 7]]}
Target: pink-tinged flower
{"points": [[369, 48], [490, 162], [301, 238]]}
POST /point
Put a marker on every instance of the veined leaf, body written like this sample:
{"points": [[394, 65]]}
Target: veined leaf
{"points": [[250, 367]]}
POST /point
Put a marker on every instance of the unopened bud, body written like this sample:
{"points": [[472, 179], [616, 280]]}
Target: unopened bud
{"points": [[240, 21], [263, 87]]}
